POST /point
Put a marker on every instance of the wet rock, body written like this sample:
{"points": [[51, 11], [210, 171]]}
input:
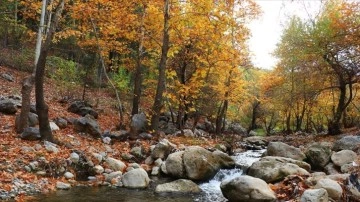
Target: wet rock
{"points": [[284, 150], [315, 195], [137, 178], [247, 188], [182, 186], [30, 133]]}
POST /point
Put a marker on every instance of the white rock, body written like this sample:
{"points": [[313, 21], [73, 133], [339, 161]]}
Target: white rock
{"points": [[62, 185], [155, 170], [98, 169], [315, 195], [51, 147], [343, 157], [137, 178], [106, 140], [69, 175], [332, 187], [53, 126], [74, 157], [115, 164]]}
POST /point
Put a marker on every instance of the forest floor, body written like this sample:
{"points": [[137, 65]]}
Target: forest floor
{"points": [[14, 155]]}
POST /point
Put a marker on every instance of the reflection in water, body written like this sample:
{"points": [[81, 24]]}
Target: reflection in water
{"points": [[211, 190]]}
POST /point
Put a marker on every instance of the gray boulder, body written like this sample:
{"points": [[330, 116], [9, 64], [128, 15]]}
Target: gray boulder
{"points": [[82, 108], [136, 178], [315, 195], [62, 185], [182, 186], [7, 107], [162, 149], [343, 157], [30, 133], [137, 152], [237, 129], [331, 169], [347, 143], [61, 122], [284, 150], [174, 165], [247, 188], [273, 171], [115, 164], [138, 123], [301, 164], [88, 125], [318, 154], [332, 187]]}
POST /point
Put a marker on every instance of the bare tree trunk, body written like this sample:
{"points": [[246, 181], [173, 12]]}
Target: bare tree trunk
{"points": [[158, 103]]}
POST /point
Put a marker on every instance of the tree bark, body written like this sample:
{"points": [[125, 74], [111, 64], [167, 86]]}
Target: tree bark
{"points": [[22, 121], [158, 103]]}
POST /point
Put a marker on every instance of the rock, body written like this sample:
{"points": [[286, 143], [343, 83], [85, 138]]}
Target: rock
{"points": [[256, 140], [343, 157], [138, 123], [7, 107], [137, 152], [97, 158], [149, 160], [301, 164], [284, 150], [155, 170], [69, 175], [8, 77], [162, 149], [27, 149], [158, 162], [62, 123], [273, 171], [74, 157], [331, 169], [88, 110], [62, 185], [332, 187], [145, 136], [182, 186], [318, 154], [98, 169], [163, 168], [247, 188], [88, 125], [175, 165], [53, 126], [137, 178], [347, 143], [127, 157], [237, 129], [314, 195], [115, 164], [82, 108], [32, 120], [353, 185], [134, 165], [112, 175], [224, 160], [253, 133], [30, 133], [51, 147], [347, 168]]}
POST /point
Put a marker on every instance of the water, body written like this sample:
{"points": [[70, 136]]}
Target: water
{"points": [[211, 190]]}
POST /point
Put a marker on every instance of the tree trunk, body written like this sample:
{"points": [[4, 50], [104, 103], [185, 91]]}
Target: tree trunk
{"points": [[254, 115], [158, 103], [22, 121]]}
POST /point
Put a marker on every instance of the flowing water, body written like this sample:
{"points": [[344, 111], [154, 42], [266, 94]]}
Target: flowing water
{"points": [[211, 190]]}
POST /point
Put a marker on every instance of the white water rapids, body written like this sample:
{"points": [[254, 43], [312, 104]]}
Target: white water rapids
{"points": [[212, 188]]}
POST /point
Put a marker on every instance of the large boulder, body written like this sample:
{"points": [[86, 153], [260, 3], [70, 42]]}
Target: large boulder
{"points": [[136, 178], [348, 143], [197, 163], [332, 187], [315, 195], [138, 123], [30, 133], [301, 164], [88, 125], [7, 107], [284, 150], [271, 170], [82, 108], [162, 149], [343, 157], [318, 154], [237, 129], [247, 188], [178, 186]]}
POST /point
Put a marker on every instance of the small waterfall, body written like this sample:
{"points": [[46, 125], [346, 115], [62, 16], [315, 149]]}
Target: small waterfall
{"points": [[212, 190]]}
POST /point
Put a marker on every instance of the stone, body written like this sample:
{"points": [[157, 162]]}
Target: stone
{"points": [[62, 185], [175, 165], [30, 133], [284, 150], [51, 147], [82, 108], [7, 107], [97, 158], [115, 164], [347, 143], [53, 126], [145, 136], [155, 170], [237, 129], [137, 178], [32, 119], [98, 169], [88, 110], [247, 188], [69, 175], [332, 187], [74, 157], [88, 125], [225, 161], [149, 160], [347, 168], [185, 132], [314, 195], [112, 175], [8, 77], [162, 149], [331, 169], [61, 122], [318, 154], [138, 123], [301, 164], [158, 162], [127, 157], [274, 171], [137, 152], [343, 157], [182, 186]]}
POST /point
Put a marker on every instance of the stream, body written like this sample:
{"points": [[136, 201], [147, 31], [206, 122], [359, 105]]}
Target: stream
{"points": [[211, 190]]}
